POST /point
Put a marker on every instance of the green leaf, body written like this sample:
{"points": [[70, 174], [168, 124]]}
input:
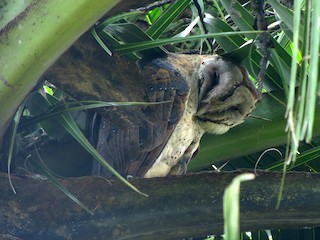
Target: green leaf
{"points": [[69, 124], [231, 43], [131, 33], [228, 42], [286, 17], [240, 53], [44, 111], [120, 17], [154, 14], [45, 172], [101, 43], [44, 30], [170, 15], [14, 128], [105, 39], [188, 29], [231, 206], [135, 47], [240, 15], [245, 21], [302, 159], [38, 105], [314, 76]]}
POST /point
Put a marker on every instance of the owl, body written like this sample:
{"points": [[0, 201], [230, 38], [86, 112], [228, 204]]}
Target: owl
{"points": [[192, 95]]}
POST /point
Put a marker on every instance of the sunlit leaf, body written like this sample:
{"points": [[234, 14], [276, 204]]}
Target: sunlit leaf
{"points": [[170, 15]]}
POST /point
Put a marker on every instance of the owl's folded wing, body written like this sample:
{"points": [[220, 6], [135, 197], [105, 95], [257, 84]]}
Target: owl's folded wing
{"points": [[132, 138]]}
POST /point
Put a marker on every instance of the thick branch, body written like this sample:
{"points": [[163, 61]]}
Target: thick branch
{"points": [[177, 207]]}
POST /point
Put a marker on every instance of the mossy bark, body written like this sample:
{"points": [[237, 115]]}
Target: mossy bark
{"points": [[177, 207]]}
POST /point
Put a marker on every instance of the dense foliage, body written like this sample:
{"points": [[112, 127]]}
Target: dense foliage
{"points": [[277, 43]]}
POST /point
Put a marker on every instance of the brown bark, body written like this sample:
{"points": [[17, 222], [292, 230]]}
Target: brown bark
{"points": [[177, 207], [87, 72]]}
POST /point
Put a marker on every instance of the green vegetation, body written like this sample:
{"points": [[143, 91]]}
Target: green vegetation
{"points": [[286, 119]]}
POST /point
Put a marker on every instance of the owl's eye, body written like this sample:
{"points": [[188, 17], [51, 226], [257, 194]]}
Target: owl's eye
{"points": [[211, 79], [214, 79], [208, 81], [235, 108]]}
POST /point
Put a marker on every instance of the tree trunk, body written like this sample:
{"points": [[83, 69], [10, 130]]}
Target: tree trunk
{"points": [[21, 65], [177, 207]]}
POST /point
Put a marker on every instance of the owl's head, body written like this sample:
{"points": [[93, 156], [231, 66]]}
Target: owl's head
{"points": [[226, 95]]}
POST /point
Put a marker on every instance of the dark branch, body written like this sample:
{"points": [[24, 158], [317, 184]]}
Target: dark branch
{"points": [[178, 207], [264, 39]]}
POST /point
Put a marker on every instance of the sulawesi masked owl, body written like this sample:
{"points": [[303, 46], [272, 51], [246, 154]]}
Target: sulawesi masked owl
{"points": [[199, 93]]}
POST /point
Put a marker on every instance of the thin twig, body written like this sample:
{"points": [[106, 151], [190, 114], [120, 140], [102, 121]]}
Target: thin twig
{"points": [[264, 40]]}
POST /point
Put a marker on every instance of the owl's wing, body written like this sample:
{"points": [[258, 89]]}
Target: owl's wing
{"points": [[132, 138]]}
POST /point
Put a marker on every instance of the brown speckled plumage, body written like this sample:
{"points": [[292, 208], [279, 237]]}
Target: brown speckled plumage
{"points": [[204, 94]]}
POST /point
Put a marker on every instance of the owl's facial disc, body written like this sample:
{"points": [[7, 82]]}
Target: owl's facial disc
{"points": [[226, 95]]}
